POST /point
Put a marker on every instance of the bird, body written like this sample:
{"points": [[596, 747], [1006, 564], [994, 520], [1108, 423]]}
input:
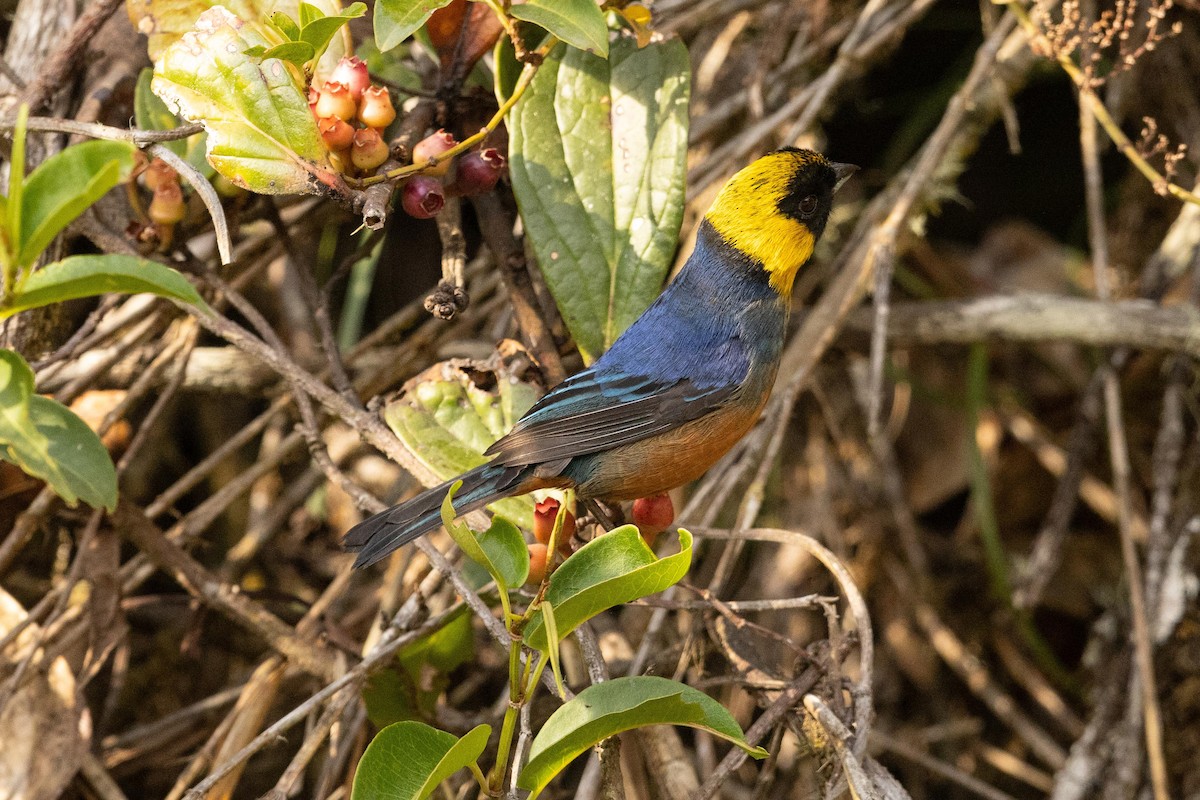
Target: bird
{"points": [[680, 386]]}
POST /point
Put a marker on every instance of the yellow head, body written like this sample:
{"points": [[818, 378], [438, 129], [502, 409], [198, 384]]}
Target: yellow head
{"points": [[774, 210]]}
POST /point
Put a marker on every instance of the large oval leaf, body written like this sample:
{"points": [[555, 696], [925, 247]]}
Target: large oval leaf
{"points": [[500, 549], [579, 23], [408, 760], [609, 570], [597, 162], [46, 440], [396, 20], [85, 276], [261, 134], [608, 708], [62, 188], [453, 411]]}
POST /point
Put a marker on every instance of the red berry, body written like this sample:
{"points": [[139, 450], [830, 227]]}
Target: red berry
{"points": [[478, 171], [431, 147], [368, 150], [375, 109], [653, 515], [544, 514], [336, 133], [423, 196], [351, 72], [335, 101], [167, 206], [537, 564]]}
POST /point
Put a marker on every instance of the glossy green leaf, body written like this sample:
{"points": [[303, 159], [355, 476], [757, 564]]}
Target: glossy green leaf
{"points": [[451, 413], [48, 441], [396, 20], [320, 31], [579, 23], [597, 158], [62, 188], [551, 623], [506, 550], [86, 276], [408, 760], [608, 708], [609, 570], [261, 134]]}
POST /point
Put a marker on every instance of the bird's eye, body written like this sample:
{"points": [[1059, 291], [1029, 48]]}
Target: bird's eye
{"points": [[808, 205]]}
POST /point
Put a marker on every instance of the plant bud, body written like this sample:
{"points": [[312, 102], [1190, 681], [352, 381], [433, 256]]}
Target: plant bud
{"points": [[538, 556], [478, 171], [653, 515], [335, 101], [375, 109], [432, 147], [423, 196], [159, 172], [337, 134], [167, 206], [351, 72], [368, 150], [544, 514]]}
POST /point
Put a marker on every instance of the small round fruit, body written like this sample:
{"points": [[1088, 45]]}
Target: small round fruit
{"points": [[335, 101], [337, 134], [423, 196], [375, 109], [351, 72], [432, 147], [167, 206], [544, 515], [537, 564], [368, 150], [653, 515], [478, 171]]}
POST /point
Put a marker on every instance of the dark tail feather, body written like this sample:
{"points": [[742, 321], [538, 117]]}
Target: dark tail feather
{"points": [[389, 530]]}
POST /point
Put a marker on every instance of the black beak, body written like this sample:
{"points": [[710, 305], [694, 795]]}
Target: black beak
{"points": [[842, 172]]}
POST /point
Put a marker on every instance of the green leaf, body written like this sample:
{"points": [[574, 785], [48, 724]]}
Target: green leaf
{"points": [[261, 134], [547, 609], [286, 25], [46, 440], [308, 14], [62, 188], [395, 20], [320, 31], [579, 23], [609, 570], [597, 160], [295, 52], [449, 414], [16, 185], [85, 276], [506, 550], [622, 704], [408, 760], [150, 113]]}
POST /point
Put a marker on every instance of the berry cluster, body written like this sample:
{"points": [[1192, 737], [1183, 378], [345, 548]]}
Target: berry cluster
{"points": [[351, 117], [475, 172]]}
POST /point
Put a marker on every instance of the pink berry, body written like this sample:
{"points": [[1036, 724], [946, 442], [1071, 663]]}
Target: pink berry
{"points": [[335, 101], [336, 133], [544, 514], [432, 147], [351, 72], [653, 515], [423, 196], [478, 171], [375, 109]]}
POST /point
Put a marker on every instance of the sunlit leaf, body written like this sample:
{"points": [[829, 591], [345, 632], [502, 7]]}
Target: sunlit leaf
{"points": [[86, 276], [62, 188], [408, 760], [579, 23], [261, 134], [48, 441], [295, 52], [609, 570], [320, 31], [151, 114], [597, 155], [396, 20], [622, 704]]}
